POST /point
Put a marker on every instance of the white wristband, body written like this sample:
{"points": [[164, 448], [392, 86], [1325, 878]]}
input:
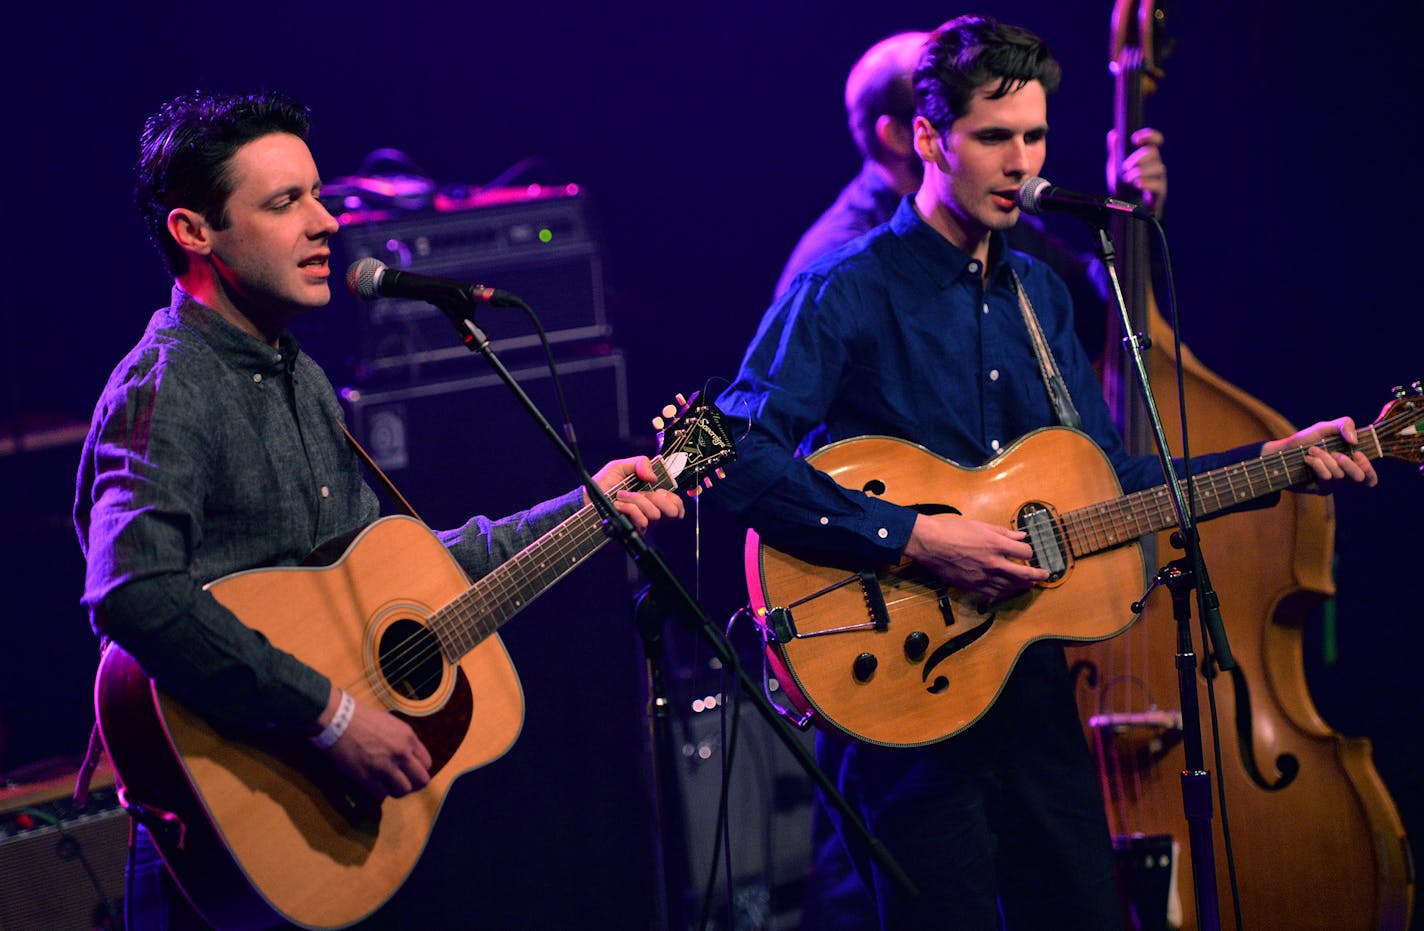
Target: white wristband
{"points": [[339, 723]]}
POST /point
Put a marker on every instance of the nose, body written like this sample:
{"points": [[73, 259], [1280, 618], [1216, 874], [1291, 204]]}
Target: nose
{"points": [[1016, 162], [323, 224]]}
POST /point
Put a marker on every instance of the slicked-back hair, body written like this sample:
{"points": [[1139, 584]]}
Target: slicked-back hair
{"points": [[185, 157], [969, 52]]}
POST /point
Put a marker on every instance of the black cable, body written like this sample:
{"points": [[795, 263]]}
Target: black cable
{"points": [[1201, 608]]}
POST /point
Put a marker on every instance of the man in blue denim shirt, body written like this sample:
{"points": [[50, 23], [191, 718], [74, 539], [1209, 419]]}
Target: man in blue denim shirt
{"points": [[915, 331], [217, 446]]}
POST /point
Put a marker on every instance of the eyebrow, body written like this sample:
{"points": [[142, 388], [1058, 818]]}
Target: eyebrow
{"points": [[1005, 130]]}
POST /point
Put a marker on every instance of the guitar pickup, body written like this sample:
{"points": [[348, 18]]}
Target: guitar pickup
{"points": [[1044, 535]]}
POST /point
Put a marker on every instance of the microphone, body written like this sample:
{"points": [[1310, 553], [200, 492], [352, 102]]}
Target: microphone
{"points": [[1037, 196], [370, 278]]}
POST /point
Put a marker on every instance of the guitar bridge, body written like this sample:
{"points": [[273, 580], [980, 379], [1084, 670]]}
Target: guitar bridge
{"points": [[875, 600]]}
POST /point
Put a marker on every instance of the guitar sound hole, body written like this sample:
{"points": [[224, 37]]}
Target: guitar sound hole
{"points": [[410, 660]]}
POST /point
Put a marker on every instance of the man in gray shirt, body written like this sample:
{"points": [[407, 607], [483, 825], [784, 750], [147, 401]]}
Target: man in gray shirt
{"points": [[217, 447]]}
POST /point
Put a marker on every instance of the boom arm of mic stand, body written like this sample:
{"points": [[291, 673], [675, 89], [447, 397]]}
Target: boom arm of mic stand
{"points": [[674, 597]]}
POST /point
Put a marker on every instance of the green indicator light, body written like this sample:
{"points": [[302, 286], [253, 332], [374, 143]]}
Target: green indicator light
{"points": [[546, 235]]}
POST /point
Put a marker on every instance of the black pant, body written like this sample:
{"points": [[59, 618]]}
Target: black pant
{"points": [[999, 826]]}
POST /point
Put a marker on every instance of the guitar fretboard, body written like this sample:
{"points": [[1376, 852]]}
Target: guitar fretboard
{"points": [[1110, 523], [461, 625]]}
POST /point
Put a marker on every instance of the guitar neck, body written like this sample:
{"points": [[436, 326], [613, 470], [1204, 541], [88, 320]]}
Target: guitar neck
{"points": [[483, 608], [1111, 523]]}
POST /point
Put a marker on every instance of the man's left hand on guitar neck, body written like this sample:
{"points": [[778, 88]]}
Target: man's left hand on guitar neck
{"points": [[642, 508], [1331, 468]]}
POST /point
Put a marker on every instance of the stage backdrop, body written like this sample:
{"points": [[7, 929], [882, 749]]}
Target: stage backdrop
{"points": [[706, 138]]}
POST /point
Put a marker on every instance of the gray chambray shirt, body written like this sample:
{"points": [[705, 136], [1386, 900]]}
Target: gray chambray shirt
{"points": [[211, 452]]}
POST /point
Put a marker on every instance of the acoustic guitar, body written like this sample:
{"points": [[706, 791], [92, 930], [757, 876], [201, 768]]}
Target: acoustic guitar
{"points": [[893, 656], [255, 830]]}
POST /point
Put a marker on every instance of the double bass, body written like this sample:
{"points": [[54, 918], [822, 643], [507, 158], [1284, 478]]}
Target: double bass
{"points": [[1316, 839]]}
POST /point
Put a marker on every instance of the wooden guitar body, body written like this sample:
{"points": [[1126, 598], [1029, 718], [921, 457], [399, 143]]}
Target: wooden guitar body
{"points": [[320, 853], [892, 655], [920, 694], [257, 830]]}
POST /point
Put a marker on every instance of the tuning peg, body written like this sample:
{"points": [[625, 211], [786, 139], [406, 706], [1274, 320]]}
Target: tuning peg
{"points": [[669, 411], [706, 482], [1397, 391], [694, 491], [658, 423], [719, 473], [681, 400], [1418, 387]]}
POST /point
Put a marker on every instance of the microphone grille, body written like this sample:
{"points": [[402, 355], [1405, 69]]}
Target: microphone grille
{"points": [[363, 278], [1029, 193]]}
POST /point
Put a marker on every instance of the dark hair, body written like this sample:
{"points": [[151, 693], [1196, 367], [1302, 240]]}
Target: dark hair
{"points": [[185, 154], [968, 52]]}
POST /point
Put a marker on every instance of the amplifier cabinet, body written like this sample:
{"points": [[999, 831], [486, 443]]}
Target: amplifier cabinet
{"points": [[463, 446], [540, 246], [61, 867]]}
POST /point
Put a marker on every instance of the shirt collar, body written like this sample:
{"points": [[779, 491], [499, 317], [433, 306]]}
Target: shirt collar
{"points": [[942, 260], [239, 349]]}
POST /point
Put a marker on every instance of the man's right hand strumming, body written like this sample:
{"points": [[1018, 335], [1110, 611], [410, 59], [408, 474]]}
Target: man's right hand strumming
{"points": [[378, 750]]}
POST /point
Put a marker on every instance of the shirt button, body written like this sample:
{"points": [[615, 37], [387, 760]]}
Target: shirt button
{"points": [[277, 358], [825, 521], [257, 378], [994, 445], [325, 492], [993, 374], [986, 307], [882, 533], [973, 266]]}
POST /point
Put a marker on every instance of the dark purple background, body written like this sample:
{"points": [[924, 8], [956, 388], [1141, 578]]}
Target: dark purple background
{"points": [[707, 138]]}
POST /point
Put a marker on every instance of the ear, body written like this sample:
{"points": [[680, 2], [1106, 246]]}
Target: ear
{"points": [[895, 136], [927, 140], [190, 230]]}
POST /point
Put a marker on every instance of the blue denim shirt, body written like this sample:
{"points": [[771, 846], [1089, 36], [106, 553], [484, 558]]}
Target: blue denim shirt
{"points": [[211, 452], [896, 334]]}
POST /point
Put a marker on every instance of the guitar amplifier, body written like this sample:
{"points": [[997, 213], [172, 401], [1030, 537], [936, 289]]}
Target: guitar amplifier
{"points": [[62, 867], [538, 243], [462, 446]]}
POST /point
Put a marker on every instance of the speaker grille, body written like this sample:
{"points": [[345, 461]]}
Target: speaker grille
{"points": [[62, 867]]}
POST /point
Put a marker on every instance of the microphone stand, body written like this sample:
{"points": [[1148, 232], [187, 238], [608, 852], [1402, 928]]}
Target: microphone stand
{"points": [[676, 873], [1180, 577], [669, 593]]}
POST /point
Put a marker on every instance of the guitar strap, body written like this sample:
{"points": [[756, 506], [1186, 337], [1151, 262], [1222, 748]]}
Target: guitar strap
{"points": [[386, 483], [1047, 365]]}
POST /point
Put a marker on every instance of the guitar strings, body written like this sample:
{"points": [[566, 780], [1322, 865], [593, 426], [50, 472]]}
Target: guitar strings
{"points": [[1083, 526], [568, 546], [418, 650], [1101, 526]]}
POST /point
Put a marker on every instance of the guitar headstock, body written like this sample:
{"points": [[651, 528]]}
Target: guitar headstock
{"points": [[693, 440], [1399, 429]]}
